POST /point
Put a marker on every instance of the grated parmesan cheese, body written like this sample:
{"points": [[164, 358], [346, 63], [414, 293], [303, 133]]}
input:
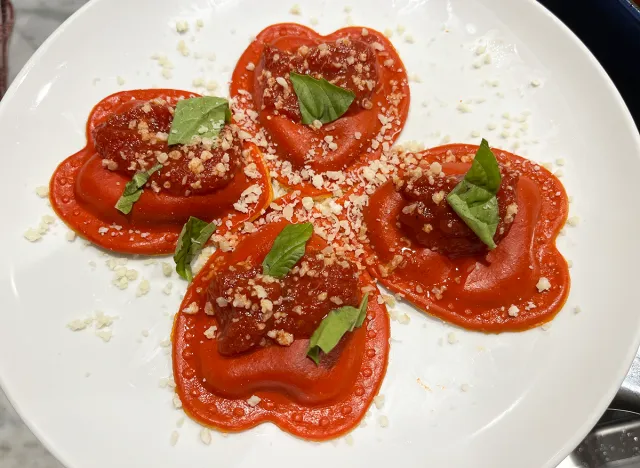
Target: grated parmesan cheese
{"points": [[378, 401], [543, 284], [254, 400], [143, 288], [182, 26], [205, 436], [295, 10], [573, 221]]}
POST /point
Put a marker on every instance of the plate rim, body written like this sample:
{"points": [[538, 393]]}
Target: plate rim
{"points": [[589, 419]]}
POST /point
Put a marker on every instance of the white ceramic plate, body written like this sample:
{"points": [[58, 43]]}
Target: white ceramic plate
{"points": [[531, 396]]}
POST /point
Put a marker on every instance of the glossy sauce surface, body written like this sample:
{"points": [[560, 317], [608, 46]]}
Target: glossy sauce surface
{"points": [[349, 58], [84, 191], [429, 220], [478, 291], [314, 402]]}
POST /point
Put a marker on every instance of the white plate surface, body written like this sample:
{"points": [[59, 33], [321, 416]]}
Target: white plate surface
{"points": [[531, 396]]}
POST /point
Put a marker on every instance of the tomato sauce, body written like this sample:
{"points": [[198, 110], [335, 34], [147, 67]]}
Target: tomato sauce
{"points": [[86, 186], [362, 60], [461, 282], [135, 139], [429, 221], [254, 310], [316, 402]]}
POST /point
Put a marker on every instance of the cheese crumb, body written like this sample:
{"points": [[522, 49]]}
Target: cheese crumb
{"points": [[105, 334], [42, 191], [317, 181], [438, 197], [177, 403], [32, 235], [174, 438], [254, 400], [307, 203], [403, 319], [378, 401], [182, 26], [210, 332], [452, 338], [383, 421], [120, 80], [167, 269], [543, 284], [205, 436], [573, 221], [295, 10], [191, 309], [183, 48], [512, 211], [78, 324], [464, 108], [143, 287], [513, 311]]}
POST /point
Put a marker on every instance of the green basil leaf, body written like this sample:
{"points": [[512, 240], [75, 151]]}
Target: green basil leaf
{"points": [[362, 311], [195, 233], [287, 249], [474, 198], [484, 171], [334, 326], [133, 190], [319, 99], [202, 116]]}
